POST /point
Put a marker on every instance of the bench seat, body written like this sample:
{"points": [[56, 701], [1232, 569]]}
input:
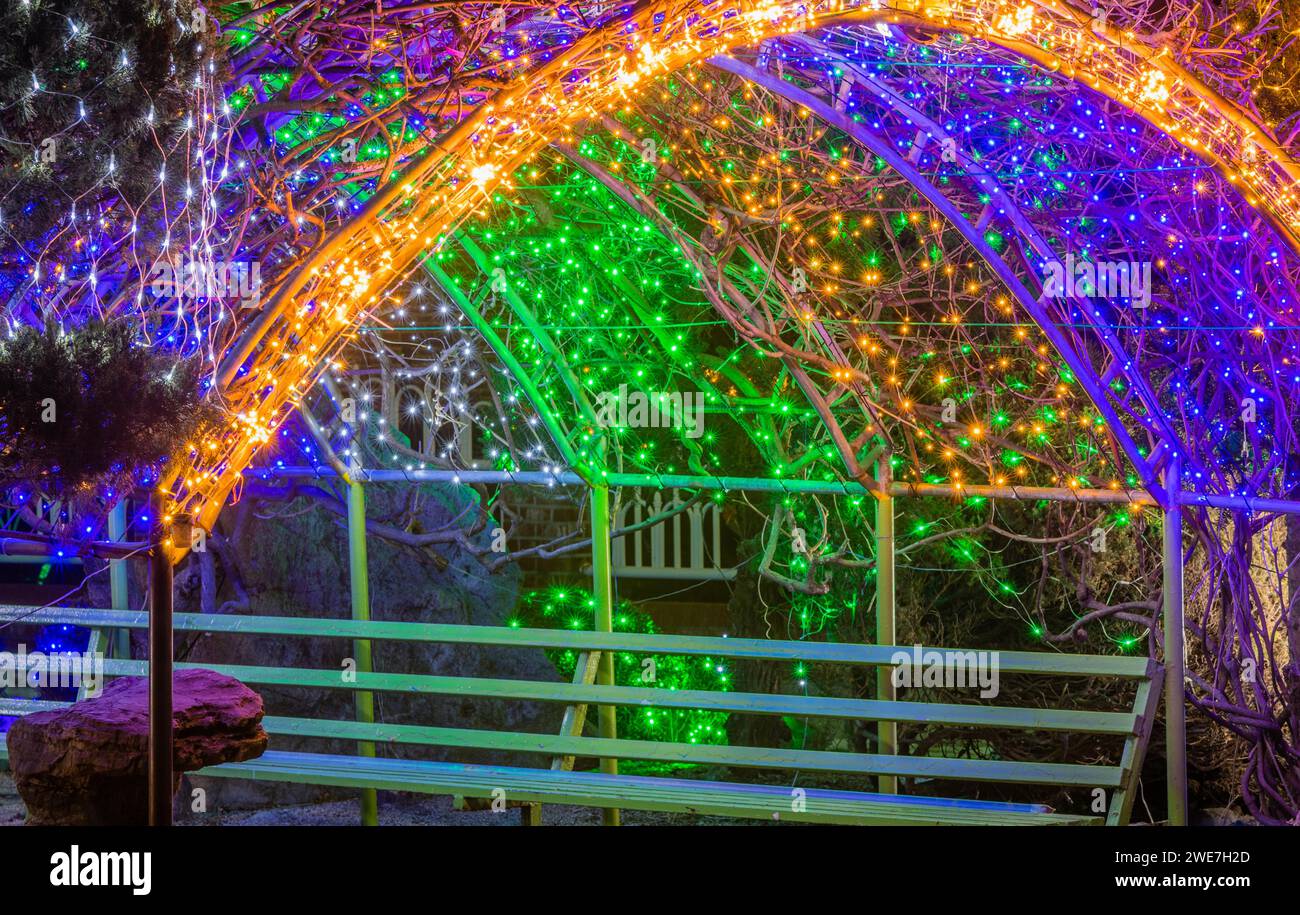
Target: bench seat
{"points": [[635, 792]]}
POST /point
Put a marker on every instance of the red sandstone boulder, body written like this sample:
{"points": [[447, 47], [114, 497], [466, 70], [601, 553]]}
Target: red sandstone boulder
{"points": [[88, 764]]}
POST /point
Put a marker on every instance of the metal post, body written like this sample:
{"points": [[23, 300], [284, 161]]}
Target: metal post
{"points": [[121, 638], [1175, 651], [160, 673], [885, 635], [602, 572], [359, 574]]}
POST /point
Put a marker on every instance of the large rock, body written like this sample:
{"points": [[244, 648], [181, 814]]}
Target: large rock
{"points": [[88, 764]]}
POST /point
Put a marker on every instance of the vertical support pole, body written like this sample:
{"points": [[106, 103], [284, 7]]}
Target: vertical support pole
{"points": [[885, 635], [120, 643], [603, 580], [160, 671], [1175, 651], [359, 575]]}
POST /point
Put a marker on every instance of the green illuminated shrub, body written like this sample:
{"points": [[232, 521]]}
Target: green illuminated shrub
{"points": [[574, 608]]}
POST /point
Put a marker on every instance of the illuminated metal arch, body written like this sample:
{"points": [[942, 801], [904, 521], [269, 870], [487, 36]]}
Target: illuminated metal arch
{"points": [[314, 309]]}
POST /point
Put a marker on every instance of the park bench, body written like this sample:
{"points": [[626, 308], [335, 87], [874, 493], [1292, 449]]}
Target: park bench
{"points": [[557, 783]]}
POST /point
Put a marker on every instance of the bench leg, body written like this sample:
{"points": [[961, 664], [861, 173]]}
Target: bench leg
{"points": [[530, 815]]}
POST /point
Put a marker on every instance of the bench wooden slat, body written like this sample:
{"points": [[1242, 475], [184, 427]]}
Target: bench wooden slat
{"points": [[981, 770], [1121, 723], [635, 792], [20, 707], [1009, 662]]}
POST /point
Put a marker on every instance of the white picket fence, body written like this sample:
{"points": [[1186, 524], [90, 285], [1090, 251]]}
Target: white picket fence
{"points": [[687, 546]]}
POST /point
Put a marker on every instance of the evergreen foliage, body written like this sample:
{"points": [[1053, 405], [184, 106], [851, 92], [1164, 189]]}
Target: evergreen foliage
{"points": [[91, 405]]}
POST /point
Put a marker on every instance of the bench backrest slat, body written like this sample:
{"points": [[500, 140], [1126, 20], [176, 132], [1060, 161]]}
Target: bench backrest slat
{"points": [[981, 770], [972, 715], [1009, 662]]}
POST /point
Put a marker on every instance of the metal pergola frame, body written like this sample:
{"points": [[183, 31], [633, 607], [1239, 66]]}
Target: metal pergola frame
{"points": [[1163, 485], [882, 488]]}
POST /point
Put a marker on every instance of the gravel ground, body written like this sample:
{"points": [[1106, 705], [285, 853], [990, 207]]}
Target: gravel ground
{"points": [[12, 812], [395, 810]]}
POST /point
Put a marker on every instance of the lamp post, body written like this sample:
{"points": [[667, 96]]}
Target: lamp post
{"points": [[160, 671]]}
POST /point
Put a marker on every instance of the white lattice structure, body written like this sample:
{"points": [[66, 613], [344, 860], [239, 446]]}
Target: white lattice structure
{"points": [[686, 546]]}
